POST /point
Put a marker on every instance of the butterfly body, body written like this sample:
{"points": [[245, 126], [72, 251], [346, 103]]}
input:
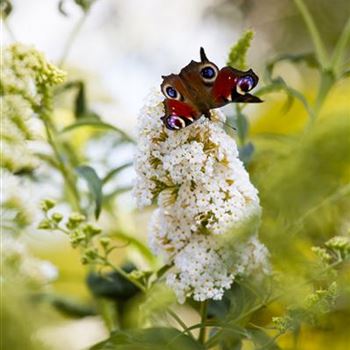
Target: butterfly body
{"points": [[200, 87]]}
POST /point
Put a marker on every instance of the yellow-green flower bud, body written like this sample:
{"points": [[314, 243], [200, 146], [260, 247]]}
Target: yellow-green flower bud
{"points": [[57, 217], [44, 225], [136, 274], [76, 217], [92, 229], [47, 204], [105, 242]]}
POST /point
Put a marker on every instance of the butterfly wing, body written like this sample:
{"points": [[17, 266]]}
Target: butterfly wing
{"points": [[232, 85], [180, 111], [201, 86], [178, 114], [210, 87]]}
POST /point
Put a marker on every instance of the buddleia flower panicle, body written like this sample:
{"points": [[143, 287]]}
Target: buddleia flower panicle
{"points": [[25, 90], [19, 264], [27, 73], [203, 191]]}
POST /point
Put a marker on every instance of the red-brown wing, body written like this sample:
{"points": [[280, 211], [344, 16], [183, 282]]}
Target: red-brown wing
{"points": [[180, 110], [179, 114], [201, 86], [232, 85]]}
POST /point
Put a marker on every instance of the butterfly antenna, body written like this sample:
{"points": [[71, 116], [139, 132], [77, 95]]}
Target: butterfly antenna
{"points": [[228, 125]]}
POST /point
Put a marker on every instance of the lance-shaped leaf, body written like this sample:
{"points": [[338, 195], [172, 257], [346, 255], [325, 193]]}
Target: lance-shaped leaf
{"points": [[94, 184], [149, 339], [242, 125], [112, 285], [93, 122]]}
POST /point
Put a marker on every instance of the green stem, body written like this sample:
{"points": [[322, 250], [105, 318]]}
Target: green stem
{"points": [[125, 275], [9, 29], [213, 340], [180, 322], [327, 81], [339, 51], [67, 176], [315, 35], [73, 35], [203, 313], [343, 191]]}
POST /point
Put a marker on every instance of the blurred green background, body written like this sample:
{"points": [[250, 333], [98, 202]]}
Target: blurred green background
{"points": [[114, 53]]}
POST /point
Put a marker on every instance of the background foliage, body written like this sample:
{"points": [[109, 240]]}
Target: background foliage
{"points": [[57, 145]]}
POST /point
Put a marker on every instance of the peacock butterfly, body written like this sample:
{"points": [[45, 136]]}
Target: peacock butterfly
{"points": [[200, 87]]}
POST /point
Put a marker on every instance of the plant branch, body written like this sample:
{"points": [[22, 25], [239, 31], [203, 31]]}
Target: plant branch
{"points": [[67, 177], [339, 51], [203, 313], [314, 33], [8, 29], [180, 322], [73, 35], [125, 275]]}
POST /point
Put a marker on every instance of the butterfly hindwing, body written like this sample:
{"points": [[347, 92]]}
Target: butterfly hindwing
{"points": [[232, 85], [178, 114]]}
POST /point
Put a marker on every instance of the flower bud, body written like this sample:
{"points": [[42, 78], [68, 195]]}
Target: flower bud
{"points": [[47, 204], [57, 217], [44, 225]]}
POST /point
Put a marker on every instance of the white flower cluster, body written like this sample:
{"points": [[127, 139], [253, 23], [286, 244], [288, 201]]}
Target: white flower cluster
{"points": [[17, 203], [203, 192], [18, 263], [26, 84], [16, 134], [27, 73]]}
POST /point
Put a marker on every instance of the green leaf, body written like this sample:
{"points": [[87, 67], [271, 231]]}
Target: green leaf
{"points": [[97, 124], [236, 302], [140, 246], [246, 152], [95, 185], [5, 8], [112, 285], [160, 273], [116, 192], [243, 300], [116, 171], [308, 58], [262, 341], [242, 125], [69, 306], [85, 5], [320, 49], [149, 339], [231, 343], [48, 159], [278, 84], [238, 52], [61, 8], [80, 108], [340, 49]]}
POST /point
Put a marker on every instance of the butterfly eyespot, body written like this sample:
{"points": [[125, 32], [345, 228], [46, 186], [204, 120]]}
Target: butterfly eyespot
{"points": [[172, 93], [209, 73], [245, 84], [174, 122]]}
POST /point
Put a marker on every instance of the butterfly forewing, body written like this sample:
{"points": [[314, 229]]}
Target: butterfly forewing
{"points": [[180, 110]]}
